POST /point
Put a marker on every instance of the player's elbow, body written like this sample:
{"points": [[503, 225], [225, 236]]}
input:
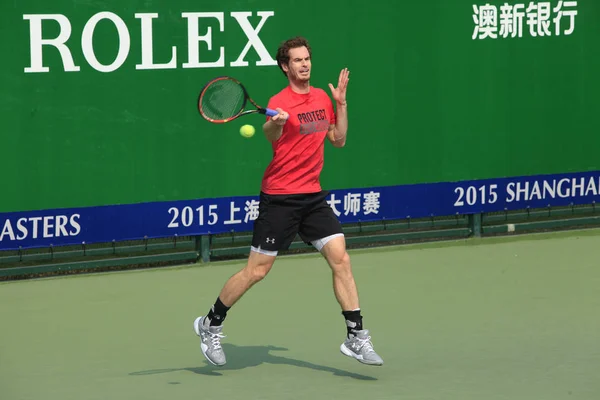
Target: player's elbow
{"points": [[336, 139], [339, 143]]}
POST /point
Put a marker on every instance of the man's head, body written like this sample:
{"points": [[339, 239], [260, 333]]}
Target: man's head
{"points": [[293, 57]]}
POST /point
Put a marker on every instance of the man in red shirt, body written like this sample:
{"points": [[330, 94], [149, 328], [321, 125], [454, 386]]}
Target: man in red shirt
{"points": [[292, 201]]}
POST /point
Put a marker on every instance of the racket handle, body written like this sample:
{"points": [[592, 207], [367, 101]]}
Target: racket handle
{"points": [[271, 113]]}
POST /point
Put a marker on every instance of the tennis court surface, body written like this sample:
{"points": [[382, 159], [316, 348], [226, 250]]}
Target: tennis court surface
{"points": [[511, 318]]}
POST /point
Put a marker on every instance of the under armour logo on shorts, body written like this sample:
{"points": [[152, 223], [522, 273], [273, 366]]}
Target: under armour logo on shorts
{"points": [[269, 240]]}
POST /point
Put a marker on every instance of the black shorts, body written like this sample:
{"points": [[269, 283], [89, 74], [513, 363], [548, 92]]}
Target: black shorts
{"points": [[281, 217]]}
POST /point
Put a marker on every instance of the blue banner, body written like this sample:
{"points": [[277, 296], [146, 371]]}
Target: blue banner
{"points": [[203, 216]]}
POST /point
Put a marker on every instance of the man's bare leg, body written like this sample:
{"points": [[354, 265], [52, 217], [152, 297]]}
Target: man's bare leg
{"points": [[358, 342], [210, 327]]}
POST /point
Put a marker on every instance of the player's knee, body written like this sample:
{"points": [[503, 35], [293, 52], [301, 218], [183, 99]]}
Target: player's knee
{"points": [[258, 272], [340, 262], [345, 260]]}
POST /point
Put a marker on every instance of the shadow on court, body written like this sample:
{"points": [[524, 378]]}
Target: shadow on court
{"points": [[240, 357]]}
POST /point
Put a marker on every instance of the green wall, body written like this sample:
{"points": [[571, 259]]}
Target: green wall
{"points": [[427, 103]]}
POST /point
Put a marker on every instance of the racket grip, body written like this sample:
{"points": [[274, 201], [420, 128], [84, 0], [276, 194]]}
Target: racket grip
{"points": [[271, 113]]}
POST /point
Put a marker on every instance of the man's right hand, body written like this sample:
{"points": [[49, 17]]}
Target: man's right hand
{"points": [[280, 118]]}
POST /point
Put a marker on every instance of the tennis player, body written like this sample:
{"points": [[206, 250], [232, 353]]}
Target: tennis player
{"points": [[292, 201]]}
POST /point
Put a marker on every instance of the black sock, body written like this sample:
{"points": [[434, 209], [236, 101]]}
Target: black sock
{"points": [[353, 321], [217, 313]]}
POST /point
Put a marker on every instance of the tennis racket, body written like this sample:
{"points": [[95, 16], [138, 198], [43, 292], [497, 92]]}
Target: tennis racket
{"points": [[224, 99]]}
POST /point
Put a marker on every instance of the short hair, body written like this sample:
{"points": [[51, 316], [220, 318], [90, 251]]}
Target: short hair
{"points": [[283, 56]]}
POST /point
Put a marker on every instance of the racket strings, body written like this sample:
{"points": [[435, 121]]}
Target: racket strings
{"points": [[223, 99]]}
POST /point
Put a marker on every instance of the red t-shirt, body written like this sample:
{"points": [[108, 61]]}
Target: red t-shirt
{"points": [[298, 154]]}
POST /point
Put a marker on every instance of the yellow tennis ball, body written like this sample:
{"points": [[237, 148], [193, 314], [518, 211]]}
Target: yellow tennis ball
{"points": [[247, 131]]}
